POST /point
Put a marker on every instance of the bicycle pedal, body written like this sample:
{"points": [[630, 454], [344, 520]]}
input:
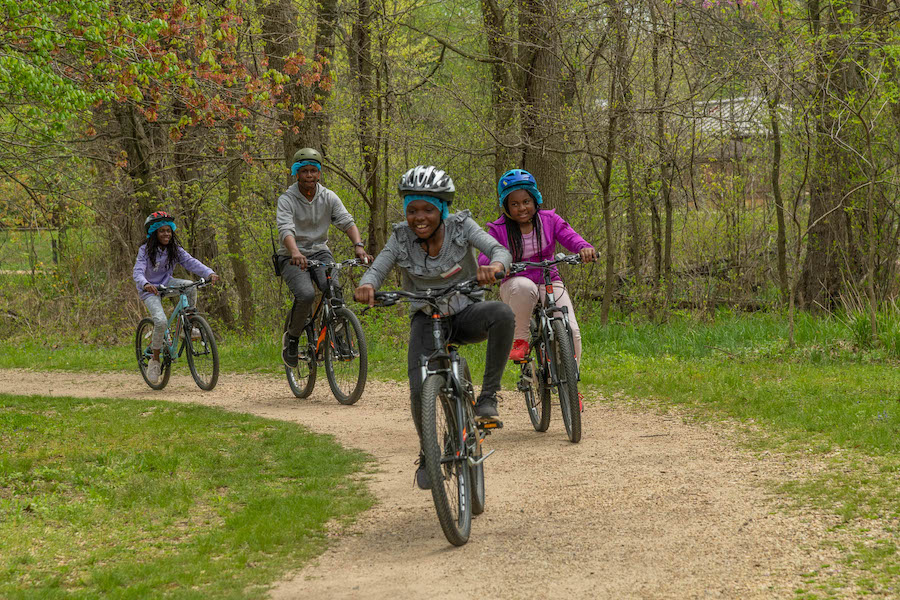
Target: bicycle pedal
{"points": [[486, 424]]}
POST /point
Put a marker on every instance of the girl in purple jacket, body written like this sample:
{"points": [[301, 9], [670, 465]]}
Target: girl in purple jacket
{"points": [[531, 235], [154, 266]]}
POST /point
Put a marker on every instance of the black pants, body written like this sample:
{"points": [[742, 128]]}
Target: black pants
{"points": [[300, 283], [493, 321]]}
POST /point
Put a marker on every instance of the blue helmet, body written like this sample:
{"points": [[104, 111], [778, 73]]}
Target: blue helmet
{"points": [[518, 179]]}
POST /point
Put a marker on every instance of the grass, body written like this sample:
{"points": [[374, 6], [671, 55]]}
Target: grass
{"points": [[131, 499], [834, 396]]}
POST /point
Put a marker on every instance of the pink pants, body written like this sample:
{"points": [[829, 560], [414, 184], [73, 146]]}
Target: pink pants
{"points": [[522, 294]]}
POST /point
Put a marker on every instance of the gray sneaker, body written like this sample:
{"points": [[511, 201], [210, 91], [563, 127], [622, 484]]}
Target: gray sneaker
{"points": [[153, 371]]}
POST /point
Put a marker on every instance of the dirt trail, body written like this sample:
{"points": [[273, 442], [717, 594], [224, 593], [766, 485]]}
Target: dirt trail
{"points": [[645, 506]]}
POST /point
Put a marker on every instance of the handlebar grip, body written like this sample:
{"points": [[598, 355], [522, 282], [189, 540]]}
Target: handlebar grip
{"points": [[500, 274]]}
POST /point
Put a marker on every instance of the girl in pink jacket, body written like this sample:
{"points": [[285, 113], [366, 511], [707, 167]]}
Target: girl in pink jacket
{"points": [[531, 235]]}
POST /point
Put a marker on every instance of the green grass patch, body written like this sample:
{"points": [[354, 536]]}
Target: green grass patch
{"points": [[135, 499]]}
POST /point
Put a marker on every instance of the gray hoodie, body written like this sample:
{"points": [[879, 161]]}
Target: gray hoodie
{"points": [[308, 220], [455, 262]]}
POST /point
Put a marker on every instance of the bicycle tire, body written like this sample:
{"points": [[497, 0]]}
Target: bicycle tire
{"points": [[567, 373], [143, 352], [450, 479], [202, 354], [302, 378], [537, 394], [475, 437], [346, 357]]}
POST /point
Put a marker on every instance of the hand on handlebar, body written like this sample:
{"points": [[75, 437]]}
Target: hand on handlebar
{"points": [[588, 254], [365, 294], [297, 258], [363, 256], [213, 278], [149, 287], [488, 274]]}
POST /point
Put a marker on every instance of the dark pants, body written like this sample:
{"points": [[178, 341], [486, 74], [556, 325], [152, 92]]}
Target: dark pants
{"points": [[493, 321], [300, 283]]}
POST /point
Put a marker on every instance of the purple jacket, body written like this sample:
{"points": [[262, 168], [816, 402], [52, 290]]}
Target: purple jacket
{"points": [[145, 273], [554, 229]]}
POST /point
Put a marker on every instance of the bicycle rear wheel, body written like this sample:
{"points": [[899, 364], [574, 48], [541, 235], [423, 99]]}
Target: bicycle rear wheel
{"points": [[202, 353], [144, 353], [535, 387], [474, 439], [567, 373], [346, 357], [302, 378], [445, 462]]}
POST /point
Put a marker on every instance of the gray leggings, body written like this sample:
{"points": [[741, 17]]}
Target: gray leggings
{"points": [[154, 305], [493, 321], [300, 283]]}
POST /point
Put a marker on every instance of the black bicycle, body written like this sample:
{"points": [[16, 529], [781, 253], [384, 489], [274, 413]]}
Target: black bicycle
{"points": [[332, 336], [451, 436], [550, 363], [194, 333]]}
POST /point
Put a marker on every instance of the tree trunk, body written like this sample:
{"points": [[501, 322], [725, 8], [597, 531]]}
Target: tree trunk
{"points": [[280, 37], [781, 235], [313, 129], [504, 87], [544, 102], [234, 243], [664, 159]]}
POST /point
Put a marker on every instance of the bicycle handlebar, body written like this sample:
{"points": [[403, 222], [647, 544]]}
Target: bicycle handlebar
{"points": [[571, 259], [430, 295], [350, 262], [178, 289]]}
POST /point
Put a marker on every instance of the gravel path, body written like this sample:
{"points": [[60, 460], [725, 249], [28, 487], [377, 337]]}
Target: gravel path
{"points": [[646, 506]]}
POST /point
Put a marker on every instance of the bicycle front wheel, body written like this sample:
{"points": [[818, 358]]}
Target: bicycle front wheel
{"points": [[567, 374], [144, 353], [473, 439], [346, 357], [535, 387], [445, 462], [202, 352], [302, 378]]}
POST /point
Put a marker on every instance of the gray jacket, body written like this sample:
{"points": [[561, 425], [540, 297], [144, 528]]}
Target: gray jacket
{"points": [[308, 220], [455, 262]]}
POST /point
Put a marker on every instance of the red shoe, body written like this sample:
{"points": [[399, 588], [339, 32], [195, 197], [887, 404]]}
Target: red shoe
{"points": [[519, 351]]}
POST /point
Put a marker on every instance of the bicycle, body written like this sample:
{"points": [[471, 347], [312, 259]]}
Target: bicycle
{"points": [[451, 436], [550, 363], [202, 352], [333, 336]]}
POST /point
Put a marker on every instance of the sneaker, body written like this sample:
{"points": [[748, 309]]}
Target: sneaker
{"points": [[289, 350], [195, 334], [519, 351], [422, 479], [486, 407], [153, 371]]}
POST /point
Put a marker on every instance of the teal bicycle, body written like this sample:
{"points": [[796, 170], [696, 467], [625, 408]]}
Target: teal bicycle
{"points": [[186, 332]]}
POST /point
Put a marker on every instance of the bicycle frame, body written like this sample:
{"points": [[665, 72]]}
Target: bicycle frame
{"points": [[328, 302], [171, 338], [449, 357], [545, 313]]}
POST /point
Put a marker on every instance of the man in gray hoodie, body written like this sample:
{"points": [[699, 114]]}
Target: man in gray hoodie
{"points": [[305, 212]]}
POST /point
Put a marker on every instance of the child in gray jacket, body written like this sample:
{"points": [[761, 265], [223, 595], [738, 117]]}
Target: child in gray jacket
{"points": [[435, 249]]}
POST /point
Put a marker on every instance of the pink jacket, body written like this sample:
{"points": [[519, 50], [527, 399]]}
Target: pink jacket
{"points": [[554, 229]]}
